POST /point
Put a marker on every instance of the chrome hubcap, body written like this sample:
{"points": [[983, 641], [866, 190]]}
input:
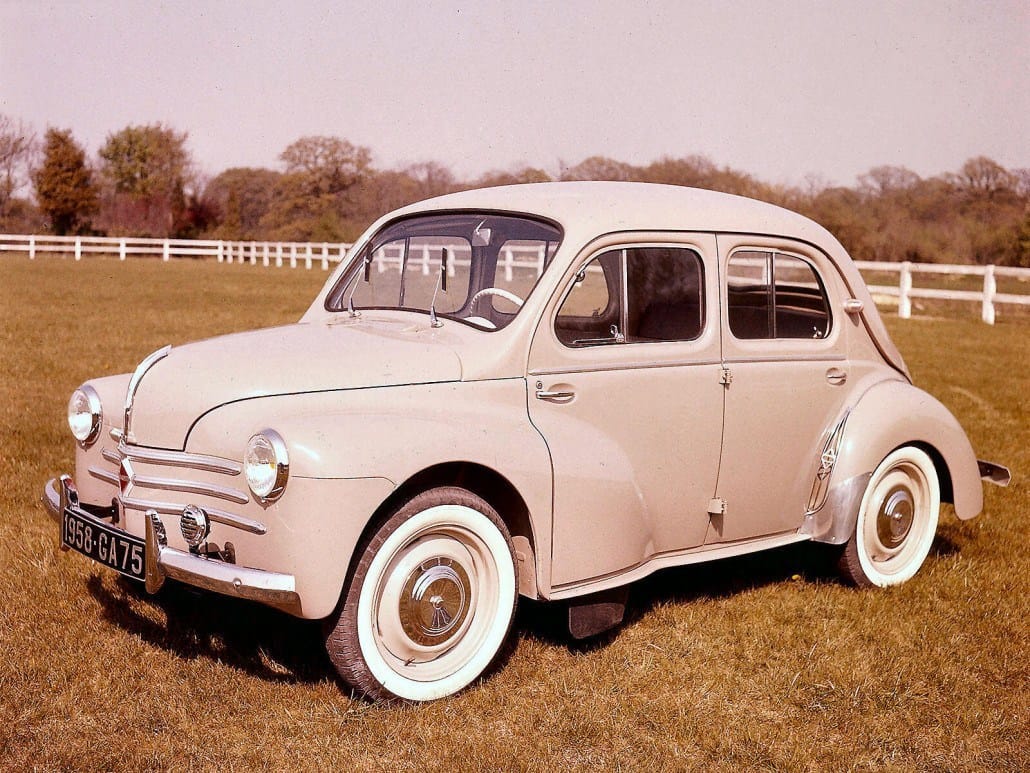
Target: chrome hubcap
{"points": [[434, 601], [895, 517]]}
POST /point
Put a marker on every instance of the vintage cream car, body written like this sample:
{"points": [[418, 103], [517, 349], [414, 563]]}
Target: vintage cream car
{"points": [[545, 390]]}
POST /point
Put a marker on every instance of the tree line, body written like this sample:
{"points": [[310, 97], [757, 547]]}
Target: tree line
{"points": [[144, 182]]}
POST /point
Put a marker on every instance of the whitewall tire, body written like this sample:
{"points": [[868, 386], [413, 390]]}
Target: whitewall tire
{"points": [[430, 602], [896, 522]]}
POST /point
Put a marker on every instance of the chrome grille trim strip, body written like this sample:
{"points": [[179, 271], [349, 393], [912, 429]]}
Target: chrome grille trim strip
{"points": [[112, 456], [218, 516], [115, 433], [105, 475], [179, 459], [192, 487]]}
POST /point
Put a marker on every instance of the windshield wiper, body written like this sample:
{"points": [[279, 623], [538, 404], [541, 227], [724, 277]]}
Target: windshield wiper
{"points": [[441, 281], [367, 259]]}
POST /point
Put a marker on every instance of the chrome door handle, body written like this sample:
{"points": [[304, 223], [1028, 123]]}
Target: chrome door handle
{"points": [[836, 376], [545, 394]]}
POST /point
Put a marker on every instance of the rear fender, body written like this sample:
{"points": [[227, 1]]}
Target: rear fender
{"points": [[889, 415]]}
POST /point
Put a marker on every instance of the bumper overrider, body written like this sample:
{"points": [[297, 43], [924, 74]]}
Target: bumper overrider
{"points": [[160, 561]]}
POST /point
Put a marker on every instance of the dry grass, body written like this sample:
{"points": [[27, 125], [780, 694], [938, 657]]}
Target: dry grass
{"points": [[758, 663]]}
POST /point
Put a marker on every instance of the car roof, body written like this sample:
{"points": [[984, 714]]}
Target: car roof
{"points": [[586, 209], [601, 206]]}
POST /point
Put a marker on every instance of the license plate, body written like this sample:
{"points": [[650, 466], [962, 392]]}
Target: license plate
{"points": [[109, 546]]}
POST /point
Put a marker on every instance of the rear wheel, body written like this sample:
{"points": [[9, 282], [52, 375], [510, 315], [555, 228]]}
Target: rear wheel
{"points": [[430, 602], [896, 521]]}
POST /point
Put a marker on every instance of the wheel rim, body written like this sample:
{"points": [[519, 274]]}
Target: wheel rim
{"points": [[897, 518], [435, 602]]}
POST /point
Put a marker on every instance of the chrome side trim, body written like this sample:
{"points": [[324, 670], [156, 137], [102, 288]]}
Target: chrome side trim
{"points": [[191, 487], [827, 460], [179, 459], [218, 516], [105, 475], [130, 394]]}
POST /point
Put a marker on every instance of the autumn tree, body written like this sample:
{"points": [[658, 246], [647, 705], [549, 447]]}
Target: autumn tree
{"points": [[17, 145], [64, 184], [311, 198], [146, 171], [242, 197]]}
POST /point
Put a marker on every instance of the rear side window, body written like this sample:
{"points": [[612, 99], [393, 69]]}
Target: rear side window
{"points": [[635, 295], [774, 295]]}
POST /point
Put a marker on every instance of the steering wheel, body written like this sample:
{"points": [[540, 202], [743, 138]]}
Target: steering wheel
{"points": [[507, 295]]}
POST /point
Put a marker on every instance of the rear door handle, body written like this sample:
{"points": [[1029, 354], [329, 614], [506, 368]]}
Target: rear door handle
{"points": [[836, 376]]}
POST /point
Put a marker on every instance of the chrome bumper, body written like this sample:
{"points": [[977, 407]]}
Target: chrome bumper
{"points": [[271, 588]]}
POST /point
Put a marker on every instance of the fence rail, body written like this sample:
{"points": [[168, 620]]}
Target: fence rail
{"points": [[326, 254]]}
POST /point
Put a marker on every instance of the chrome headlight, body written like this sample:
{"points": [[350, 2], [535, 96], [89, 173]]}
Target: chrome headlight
{"points": [[85, 415], [266, 465]]}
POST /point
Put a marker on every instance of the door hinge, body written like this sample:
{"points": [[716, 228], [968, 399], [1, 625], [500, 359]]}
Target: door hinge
{"points": [[726, 377], [717, 506]]}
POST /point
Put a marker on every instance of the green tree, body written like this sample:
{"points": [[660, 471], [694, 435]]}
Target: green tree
{"points": [[146, 171], [64, 184]]}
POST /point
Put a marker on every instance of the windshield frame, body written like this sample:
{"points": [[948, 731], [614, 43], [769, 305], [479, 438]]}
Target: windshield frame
{"points": [[339, 295]]}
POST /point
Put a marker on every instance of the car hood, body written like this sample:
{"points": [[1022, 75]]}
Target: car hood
{"points": [[196, 378]]}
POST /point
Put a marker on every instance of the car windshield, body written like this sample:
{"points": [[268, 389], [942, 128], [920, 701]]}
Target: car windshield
{"points": [[475, 267]]}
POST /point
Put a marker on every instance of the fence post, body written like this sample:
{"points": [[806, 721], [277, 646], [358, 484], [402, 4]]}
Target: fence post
{"points": [[293, 256], [905, 288], [221, 252], [32, 248], [165, 253], [990, 290], [122, 250], [279, 255], [264, 254], [325, 256], [540, 255], [425, 260], [508, 260], [78, 248], [307, 256]]}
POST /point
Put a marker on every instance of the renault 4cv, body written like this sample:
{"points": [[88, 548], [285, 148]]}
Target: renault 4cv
{"points": [[547, 391]]}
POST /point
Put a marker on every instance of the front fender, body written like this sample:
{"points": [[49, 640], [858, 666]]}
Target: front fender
{"points": [[394, 433], [892, 414]]}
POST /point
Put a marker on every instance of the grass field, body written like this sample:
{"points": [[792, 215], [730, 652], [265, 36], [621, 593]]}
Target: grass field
{"points": [[765, 662]]}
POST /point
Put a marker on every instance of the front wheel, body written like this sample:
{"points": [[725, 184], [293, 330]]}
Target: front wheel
{"points": [[896, 521], [430, 602]]}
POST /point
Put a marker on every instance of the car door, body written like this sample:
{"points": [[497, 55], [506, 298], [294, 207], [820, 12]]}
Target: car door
{"points": [[624, 387], [784, 351]]}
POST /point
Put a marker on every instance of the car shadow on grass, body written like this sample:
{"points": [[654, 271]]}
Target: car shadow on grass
{"points": [[807, 562], [258, 640]]}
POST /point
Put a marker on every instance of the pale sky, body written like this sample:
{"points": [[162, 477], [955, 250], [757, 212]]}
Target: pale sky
{"points": [[782, 90]]}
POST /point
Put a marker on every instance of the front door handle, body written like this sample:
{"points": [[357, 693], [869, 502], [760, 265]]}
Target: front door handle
{"points": [[554, 396], [836, 376]]}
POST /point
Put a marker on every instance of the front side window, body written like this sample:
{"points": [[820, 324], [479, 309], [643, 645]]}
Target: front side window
{"points": [[774, 295], [634, 295], [477, 268]]}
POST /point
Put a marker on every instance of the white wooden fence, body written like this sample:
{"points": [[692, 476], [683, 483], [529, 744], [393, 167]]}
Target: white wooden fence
{"points": [[987, 297], [325, 254], [265, 253]]}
